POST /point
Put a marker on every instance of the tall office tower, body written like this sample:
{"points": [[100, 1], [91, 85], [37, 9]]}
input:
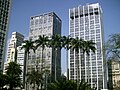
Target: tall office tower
{"points": [[86, 22], [4, 16], [15, 41], [47, 24]]}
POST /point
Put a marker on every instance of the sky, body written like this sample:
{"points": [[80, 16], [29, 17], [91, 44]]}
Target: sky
{"points": [[22, 10]]}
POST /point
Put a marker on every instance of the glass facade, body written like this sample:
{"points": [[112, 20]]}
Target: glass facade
{"points": [[46, 24], [4, 16], [86, 23]]}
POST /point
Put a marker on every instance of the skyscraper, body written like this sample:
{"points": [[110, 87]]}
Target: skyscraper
{"points": [[4, 16], [15, 41], [86, 22], [47, 24]]}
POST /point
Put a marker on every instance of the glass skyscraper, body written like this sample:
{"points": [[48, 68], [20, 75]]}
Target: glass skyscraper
{"points": [[4, 16], [47, 24], [86, 22]]}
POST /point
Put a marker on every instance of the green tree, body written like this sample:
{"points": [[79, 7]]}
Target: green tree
{"points": [[13, 75], [68, 85], [87, 47], [55, 43], [67, 46], [62, 85], [84, 86], [3, 80], [35, 78], [77, 44], [42, 42], [112, 46], [28, 44]]}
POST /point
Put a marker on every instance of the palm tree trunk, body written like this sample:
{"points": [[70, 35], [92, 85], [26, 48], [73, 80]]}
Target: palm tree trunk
{"points": [[24, 72], [42, 64], [55, 63], [67, 64], [42, 59]]}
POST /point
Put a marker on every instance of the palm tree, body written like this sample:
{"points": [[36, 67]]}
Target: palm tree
{"points": [[3, 80], [35, 78], [84, 86], [55, 43], [13, 75], [28, 44], [77, 44], [67, 46], [62, 85], [87, 47], [68, 85], [42, 41]]}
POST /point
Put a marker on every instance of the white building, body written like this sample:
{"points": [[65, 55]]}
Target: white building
{"points": [[86, 22], [113, 74], [15, 41]]}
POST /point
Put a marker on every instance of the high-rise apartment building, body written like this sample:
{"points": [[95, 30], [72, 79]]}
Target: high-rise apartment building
{"points": [[86, 22], [4, 16], [15, 41], [21, 58], [47, 24]]}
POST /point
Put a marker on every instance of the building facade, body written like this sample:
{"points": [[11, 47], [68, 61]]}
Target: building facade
{"points": [[86, 22], [4, 16], [15, 41], [20, 58], [47, 24], [113, 74]]}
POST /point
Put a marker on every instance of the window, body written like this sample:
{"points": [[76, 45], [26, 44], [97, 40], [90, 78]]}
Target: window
{"points": [[36, 22]]}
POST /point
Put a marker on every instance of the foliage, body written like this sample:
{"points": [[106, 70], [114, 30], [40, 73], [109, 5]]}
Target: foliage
{"points": [[13, 75], [28, 44], [35, 78], [87, 46], [3, 80], [84, 86], [57, 42], [68, 85], [42, 41], [112, 47], [77, 44]]}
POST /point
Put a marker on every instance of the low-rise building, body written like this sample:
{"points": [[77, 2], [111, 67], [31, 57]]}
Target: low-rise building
{"points": [[113, 74]]}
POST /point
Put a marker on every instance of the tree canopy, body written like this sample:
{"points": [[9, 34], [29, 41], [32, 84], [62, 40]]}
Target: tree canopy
{"points": [[112, 47]]}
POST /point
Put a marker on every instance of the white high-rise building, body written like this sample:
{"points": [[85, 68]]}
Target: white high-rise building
{"points": [[47, 24], [15, 41], [20, 58], [5, 6], [86, 22]]}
